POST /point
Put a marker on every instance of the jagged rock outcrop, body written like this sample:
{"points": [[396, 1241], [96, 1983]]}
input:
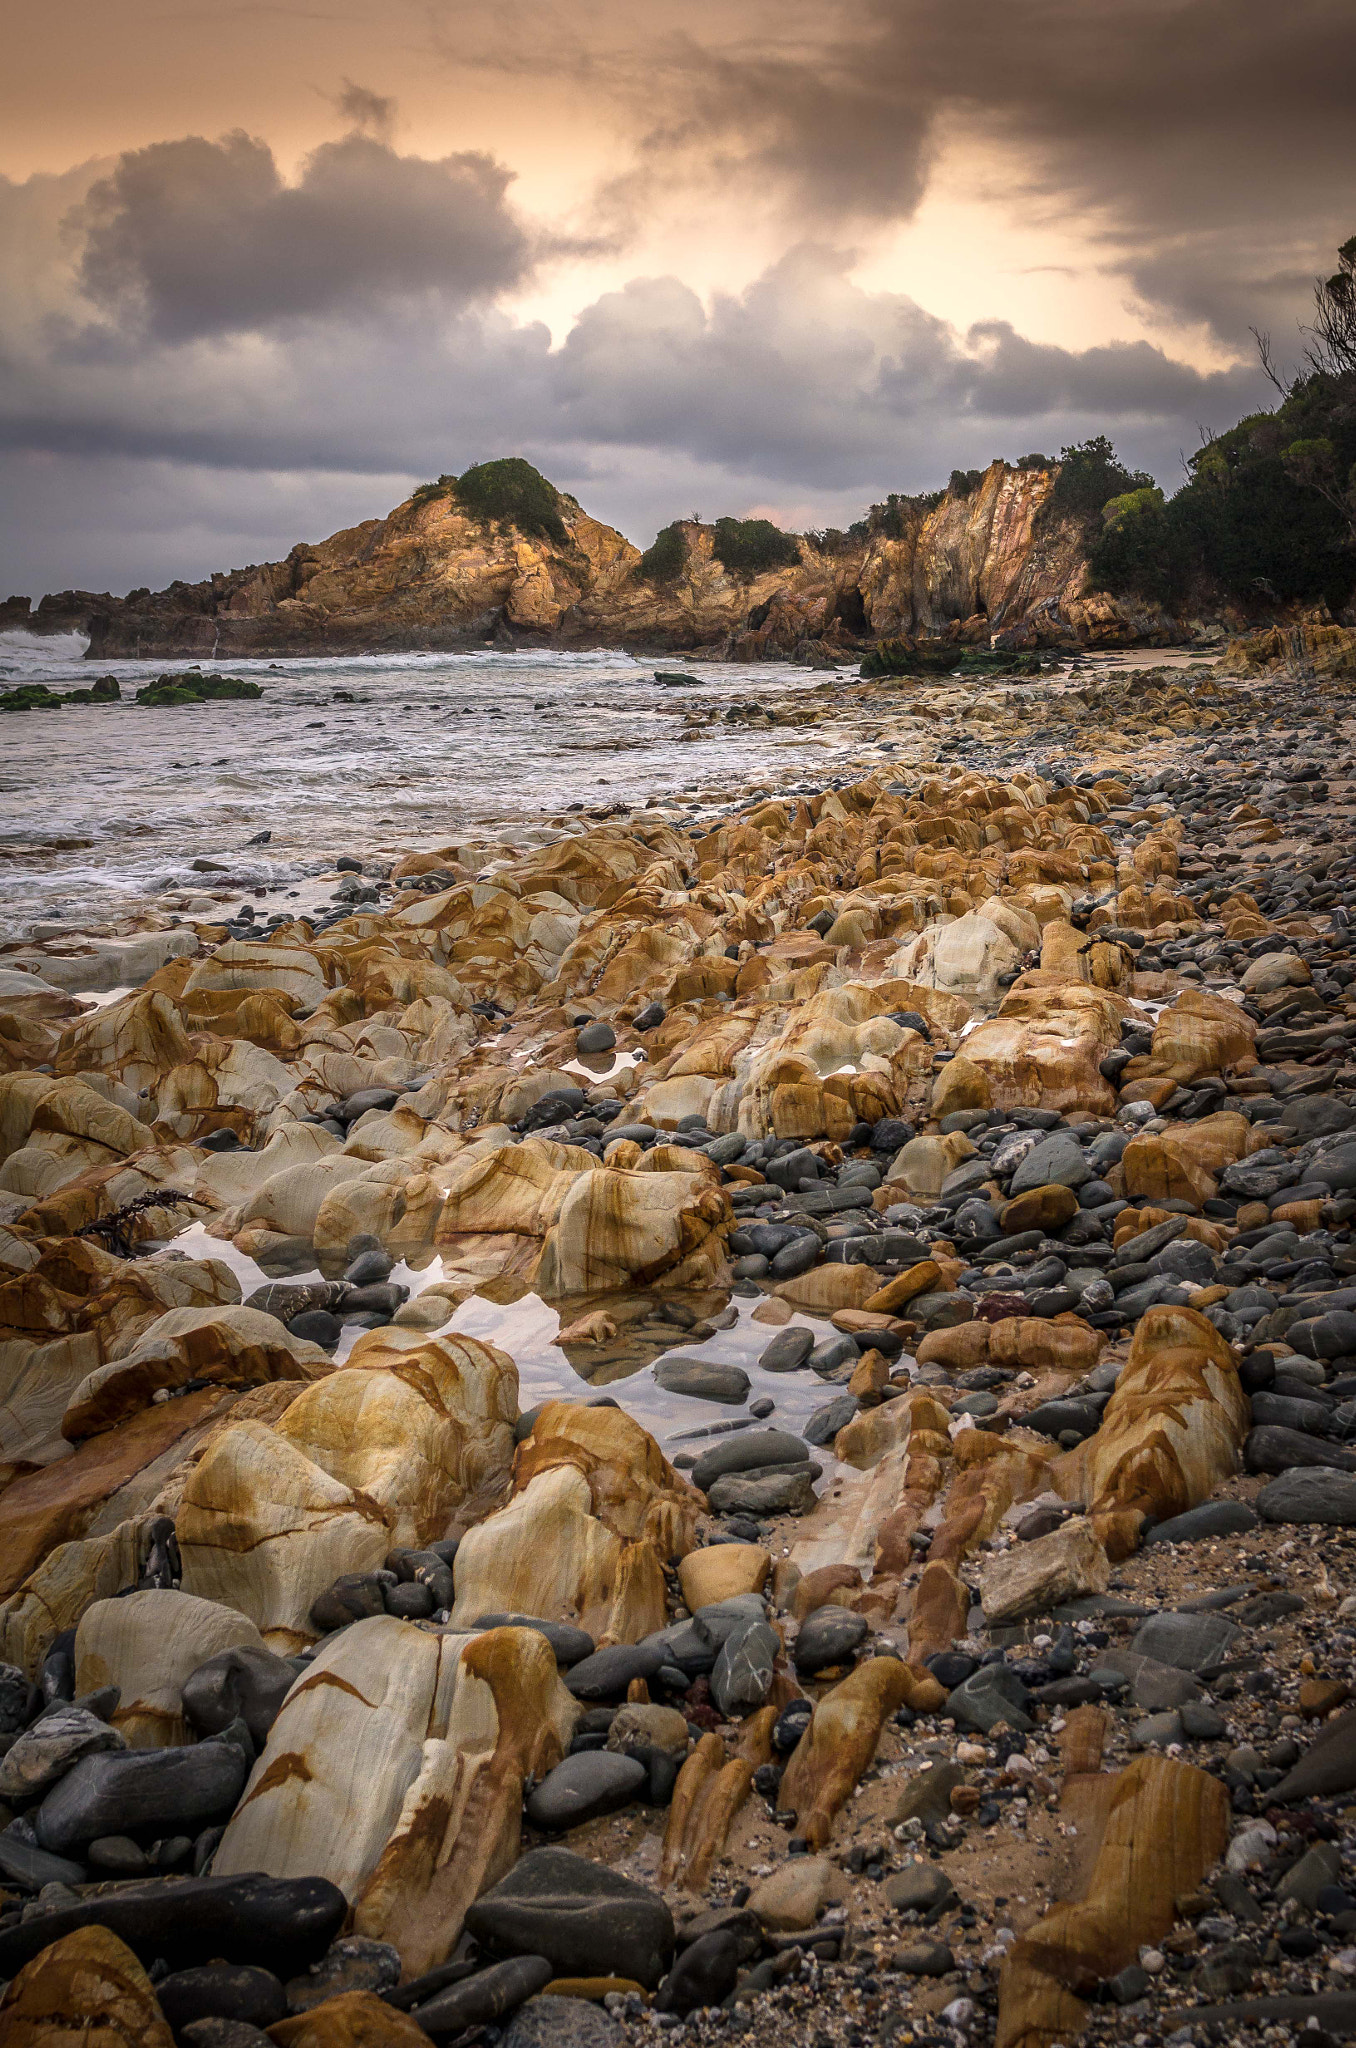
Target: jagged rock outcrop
{"points": [[992, 561]]}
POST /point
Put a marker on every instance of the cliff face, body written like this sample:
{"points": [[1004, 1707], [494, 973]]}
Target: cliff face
{"points": [[979, 566]]}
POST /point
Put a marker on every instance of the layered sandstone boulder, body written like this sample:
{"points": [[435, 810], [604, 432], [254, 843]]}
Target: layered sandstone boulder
{"points": [[376, 1456]]}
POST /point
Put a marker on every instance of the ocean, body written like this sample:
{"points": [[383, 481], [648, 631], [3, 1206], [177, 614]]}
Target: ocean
{"points": [[105, 810]]}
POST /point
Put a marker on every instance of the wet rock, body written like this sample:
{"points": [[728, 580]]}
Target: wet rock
{"points": [[923, 1959], [743, 1671], [244, 1684], [1056, 1161], [919, 1888], [1189, 1642], [1318, 1494], [702, 1380], [1212, 1518], [1327, 1767], [992, 1694], [704, 1974], [276, 1923], [926, 1795], [1156, 1731], [214, 2033], [227, 1991], [570, 1645], [794, 1896], [51, 1747], [486, 1998], [789, 1349], [354, 1964], [1318, 1867], [826, 1422], [749, 1451], [550, 2022], [607, 1673], [763, 1494]]}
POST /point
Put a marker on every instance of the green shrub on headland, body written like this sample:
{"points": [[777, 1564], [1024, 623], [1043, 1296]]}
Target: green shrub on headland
{"points": [[1268, 511], [506, 492], [666, 558], [513, 493], [750, 547]]}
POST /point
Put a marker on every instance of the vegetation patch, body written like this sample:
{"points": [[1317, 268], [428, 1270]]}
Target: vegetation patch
{"points": [[899, 658], [666, 558], [510, 492], [37, 696], [750, 547], [190, 686]]}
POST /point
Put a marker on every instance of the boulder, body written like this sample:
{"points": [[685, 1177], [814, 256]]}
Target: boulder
{"points": [[87, 1990], [148, 1645], [587, 1920]]}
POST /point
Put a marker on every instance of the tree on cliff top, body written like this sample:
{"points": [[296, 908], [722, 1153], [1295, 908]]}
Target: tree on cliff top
{"points": [[1268, 511], [1090, 475], [1332, 338], [509, 492]]}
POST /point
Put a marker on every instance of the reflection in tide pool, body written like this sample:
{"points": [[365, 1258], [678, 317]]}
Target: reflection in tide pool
{"points": [[526, 1328]]}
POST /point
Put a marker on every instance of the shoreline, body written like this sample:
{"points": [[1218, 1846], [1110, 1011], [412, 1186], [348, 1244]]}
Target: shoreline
{"points": [[919, 1187]]}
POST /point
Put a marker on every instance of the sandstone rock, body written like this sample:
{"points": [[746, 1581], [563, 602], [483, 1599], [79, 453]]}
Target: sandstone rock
{"points": [[721, 1572], [840, 1742], [1033, 1578], [1172, 1430], [86, 1991], [795, 1896], [229, 1344], [147, 1645], [370, 1458], [1168, 1825]]}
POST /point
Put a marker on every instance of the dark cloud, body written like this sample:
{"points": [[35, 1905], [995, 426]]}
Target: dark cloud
{"points": [[1208, 145], [196, 238], [804, 394], [371, 113]]}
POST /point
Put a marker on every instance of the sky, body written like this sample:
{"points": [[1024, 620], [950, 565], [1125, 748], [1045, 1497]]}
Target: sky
{"points": [[265, 267]]}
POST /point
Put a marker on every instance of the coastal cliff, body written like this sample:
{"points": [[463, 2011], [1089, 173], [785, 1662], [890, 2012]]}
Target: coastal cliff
{"points": [[993, 562]]}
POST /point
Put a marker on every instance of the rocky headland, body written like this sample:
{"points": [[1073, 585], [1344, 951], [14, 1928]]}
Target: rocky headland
{"points": [[708, 1431], [995, 560]]}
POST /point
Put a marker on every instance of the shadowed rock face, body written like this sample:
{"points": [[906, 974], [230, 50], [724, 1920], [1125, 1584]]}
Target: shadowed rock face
{"points": [[432, 576]]}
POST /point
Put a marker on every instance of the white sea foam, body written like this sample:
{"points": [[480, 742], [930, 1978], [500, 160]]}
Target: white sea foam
{"points": [[106, 808]]}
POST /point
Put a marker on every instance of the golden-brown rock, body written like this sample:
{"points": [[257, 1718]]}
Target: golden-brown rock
{"points": [[85, 1991]]}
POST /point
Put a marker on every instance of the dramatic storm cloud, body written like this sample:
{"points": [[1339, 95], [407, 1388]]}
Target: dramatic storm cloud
{"points": [[204, 238], [735, 258]]}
